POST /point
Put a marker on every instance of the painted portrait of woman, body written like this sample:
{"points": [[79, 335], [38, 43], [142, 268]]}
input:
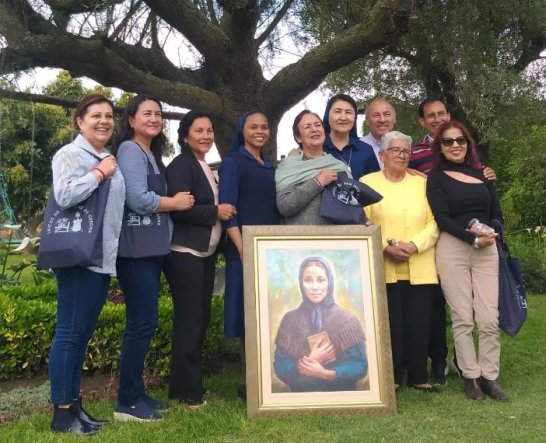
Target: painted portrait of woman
{"points": [[319, 346]]}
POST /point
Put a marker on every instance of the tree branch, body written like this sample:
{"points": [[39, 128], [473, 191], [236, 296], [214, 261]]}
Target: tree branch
{"points": [[385, 23], [212, 12], [182, 15], [92, 58], [132, 10], [534, 46], [271, 27], [70, 104]]}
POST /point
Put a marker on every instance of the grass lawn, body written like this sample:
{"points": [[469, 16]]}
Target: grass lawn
{"points": [[447, 417]]}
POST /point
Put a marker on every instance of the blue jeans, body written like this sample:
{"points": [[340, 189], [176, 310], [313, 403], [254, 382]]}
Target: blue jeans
{"points": [[139, 280], [81, 294]]}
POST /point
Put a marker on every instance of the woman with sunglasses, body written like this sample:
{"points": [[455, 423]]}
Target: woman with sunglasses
{"points": [[409, 233], [466, 257]]}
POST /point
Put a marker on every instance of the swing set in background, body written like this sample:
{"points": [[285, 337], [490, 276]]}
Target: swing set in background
{"points": [[10, 228]]}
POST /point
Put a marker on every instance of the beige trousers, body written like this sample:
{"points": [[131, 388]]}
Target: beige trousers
{"points": [[470, 281]]}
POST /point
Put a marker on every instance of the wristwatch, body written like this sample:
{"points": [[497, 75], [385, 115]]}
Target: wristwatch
{"points": [[476, 243]]}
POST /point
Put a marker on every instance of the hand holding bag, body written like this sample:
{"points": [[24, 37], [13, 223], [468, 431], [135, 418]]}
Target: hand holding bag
{"points": [[342, 201], [73, 236], [146, 235], [512, 300]]}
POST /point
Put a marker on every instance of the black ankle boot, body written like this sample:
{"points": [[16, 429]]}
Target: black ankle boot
{"points": [[83, 415], [67, 420]]}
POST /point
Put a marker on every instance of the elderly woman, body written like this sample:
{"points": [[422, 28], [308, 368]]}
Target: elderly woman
{"points": [[300, 178], [467, 259], [319, 345], [342, 140], [79, 169], [190, 267], [409, 233]]}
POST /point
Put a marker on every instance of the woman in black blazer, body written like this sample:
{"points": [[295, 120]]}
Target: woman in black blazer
{"points": [[190, 267]]}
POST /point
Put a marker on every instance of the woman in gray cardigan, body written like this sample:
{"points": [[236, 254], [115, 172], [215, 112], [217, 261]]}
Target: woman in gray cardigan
{"points": [[144, 242]]}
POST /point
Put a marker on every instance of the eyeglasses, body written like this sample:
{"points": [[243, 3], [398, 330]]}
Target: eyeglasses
{"points": [[397, 151], [461, 141]]}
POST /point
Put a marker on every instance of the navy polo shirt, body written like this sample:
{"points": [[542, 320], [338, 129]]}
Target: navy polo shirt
{"points": [[357, 154]]}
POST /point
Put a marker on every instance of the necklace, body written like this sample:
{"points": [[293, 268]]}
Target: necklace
{"points": [[338, 155]]}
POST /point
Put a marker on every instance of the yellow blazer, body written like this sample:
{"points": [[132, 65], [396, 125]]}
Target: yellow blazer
{"points": [[404, 214]]}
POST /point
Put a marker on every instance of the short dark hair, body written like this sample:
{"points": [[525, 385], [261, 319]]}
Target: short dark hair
{"points": [[83, 105], [331, 102], [426, 101], [187, 121], [471, 156]]}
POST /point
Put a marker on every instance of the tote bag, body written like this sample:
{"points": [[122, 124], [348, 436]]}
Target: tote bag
{"points": [[342, 201], [512, 300], [146, 235], [73, 236]]}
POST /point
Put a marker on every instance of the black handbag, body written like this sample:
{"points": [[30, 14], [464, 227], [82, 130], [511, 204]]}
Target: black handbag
{"points": [[512, 299], [342, 201], [73, 236], [146, 235]]}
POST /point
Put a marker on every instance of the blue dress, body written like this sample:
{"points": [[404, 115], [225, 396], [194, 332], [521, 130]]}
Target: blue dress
{"points": [[250, 187]]}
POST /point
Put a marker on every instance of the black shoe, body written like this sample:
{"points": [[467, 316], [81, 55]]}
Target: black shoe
{"points": [[473, 389], [438, 373], [493, 389], [241, 392], [427, 389], [83, 415], [67, 420], [156, 404]]}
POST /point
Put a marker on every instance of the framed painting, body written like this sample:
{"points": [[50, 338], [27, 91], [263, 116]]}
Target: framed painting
{"points": [[316, 321]]}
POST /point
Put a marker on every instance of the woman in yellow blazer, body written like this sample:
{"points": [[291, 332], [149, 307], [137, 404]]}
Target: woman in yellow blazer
{"points": [[409, 234]]}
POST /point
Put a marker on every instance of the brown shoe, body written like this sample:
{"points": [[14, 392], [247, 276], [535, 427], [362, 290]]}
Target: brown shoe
{"points": [[493, 389], [472, 389]]}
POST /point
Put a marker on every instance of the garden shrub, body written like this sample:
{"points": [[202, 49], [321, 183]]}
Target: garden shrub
{"points": [[530, 249], [27, 323]]}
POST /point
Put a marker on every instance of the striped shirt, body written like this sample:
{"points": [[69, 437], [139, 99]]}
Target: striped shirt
{"points": [[421, 156]]}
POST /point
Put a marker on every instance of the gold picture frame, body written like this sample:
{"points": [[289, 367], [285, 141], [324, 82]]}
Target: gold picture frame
{"points": [[283, 374]]}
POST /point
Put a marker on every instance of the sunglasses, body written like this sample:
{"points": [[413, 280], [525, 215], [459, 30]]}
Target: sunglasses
{"points": [[461, 141]]}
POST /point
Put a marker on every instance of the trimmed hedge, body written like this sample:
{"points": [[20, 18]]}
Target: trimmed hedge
{"points": [[27, 325]]}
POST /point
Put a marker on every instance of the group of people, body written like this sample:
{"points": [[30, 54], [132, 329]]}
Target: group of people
{"points": [[174, 219]]}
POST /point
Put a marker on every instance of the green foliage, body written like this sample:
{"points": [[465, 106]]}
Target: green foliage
{"points": [[27, 322], [26, 330], [65, 86], [446, 417], [470, 52], [27, 165], [530, 248], [519, 157]]}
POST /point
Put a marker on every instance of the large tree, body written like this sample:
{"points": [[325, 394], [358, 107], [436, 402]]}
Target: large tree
{"points": [[477, 54], [121, 43]]}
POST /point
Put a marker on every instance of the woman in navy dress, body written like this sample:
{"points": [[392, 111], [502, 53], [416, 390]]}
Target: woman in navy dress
{"points": [[247, 181]]}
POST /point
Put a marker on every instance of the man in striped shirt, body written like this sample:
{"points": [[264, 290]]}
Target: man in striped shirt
{"points": [[432, 114]]}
